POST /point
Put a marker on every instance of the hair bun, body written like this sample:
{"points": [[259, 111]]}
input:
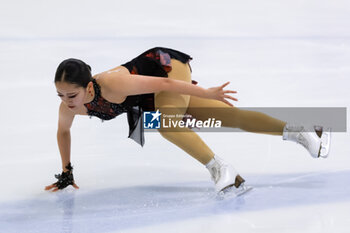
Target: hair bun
{"points": [[74, 71]]}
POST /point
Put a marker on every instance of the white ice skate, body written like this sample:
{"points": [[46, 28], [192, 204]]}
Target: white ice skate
{"points": [[226, 177], [316, 140]]}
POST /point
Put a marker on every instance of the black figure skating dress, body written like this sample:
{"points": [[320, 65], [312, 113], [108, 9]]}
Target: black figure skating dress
{"points": [[153, 62]]}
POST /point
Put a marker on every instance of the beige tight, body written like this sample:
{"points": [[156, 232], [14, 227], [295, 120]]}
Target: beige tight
{"points": [[173, 103]]}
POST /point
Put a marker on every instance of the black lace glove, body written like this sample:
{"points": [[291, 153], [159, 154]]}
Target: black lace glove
{"points": [[65, 178]]}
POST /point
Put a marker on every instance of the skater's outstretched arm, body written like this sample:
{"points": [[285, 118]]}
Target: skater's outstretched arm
{"points": [[139, 84], [65, 121]]}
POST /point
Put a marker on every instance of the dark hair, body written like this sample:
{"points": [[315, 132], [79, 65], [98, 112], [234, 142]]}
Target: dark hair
{"points": [[73, 71]]}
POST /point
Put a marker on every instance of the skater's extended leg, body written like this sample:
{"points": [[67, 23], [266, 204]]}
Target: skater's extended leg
{"points": [[234, 117], [316, 140]]}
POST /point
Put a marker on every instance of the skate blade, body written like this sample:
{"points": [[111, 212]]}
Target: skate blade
{"points": [[325, 143], [233, 191]]}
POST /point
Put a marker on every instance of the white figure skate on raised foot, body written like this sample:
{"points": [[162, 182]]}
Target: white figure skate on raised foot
{"points": [[226, 178], [316, 140]]}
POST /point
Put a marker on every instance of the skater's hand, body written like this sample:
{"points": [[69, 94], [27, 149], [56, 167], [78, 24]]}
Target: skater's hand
{"points": [[53, 187], [218, 93], [64, 179]]}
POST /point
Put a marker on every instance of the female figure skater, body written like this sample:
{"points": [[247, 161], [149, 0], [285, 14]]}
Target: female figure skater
{"points": [[160, 78]]}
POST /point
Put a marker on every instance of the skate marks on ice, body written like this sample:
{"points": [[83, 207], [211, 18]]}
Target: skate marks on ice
{"points": [[130, 207]]}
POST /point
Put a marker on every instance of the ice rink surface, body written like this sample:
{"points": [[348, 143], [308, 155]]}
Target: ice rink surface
{"points": [[275, 53]]}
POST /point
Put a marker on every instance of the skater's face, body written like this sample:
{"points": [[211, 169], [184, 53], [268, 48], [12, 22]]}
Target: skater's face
{"points": [[72, 95]]}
